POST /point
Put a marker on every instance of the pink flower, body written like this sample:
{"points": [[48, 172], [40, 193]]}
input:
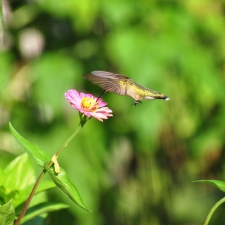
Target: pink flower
{"points": [[88, 105]]}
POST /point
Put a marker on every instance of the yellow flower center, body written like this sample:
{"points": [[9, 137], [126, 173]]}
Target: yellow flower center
{"points": [[89, 104]]}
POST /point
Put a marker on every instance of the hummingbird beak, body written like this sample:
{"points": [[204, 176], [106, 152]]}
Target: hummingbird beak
{"points": [[100, 95]]}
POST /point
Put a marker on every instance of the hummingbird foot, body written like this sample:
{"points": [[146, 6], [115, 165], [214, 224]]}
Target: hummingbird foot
{"points": [[136, 102]]}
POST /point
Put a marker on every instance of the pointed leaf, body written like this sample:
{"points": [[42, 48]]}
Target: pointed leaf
{"points": [[64, 183], [217, 183], [34, 151], [7, 214], [42, 208]]}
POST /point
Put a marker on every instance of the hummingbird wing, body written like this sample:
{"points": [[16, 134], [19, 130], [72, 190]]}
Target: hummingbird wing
{"points": [[110, 82]]}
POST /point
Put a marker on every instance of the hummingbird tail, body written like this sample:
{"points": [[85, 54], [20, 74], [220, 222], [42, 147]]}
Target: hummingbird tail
{"points": [[157, 96], [165, 98], [162, 97]]}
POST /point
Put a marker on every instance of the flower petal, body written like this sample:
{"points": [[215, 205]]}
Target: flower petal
{"points": [[88, 105]]}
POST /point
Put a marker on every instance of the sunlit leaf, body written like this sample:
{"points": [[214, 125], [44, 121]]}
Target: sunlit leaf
{"points": [[2, 177], [20, 173], [64, 183], [217, 183], [7, 214], [2, 185], [34, 151]]}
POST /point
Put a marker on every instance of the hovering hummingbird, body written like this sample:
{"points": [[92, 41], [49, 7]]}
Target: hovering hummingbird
{"points": [[122, 85]]}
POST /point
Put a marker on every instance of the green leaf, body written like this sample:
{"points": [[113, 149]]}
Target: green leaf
{"points": [[64, 183], [217, 183], [2, 177], [2, 184], [23, 194], [42, 208], [20, 173], [7, 214], [34, 151], [38, 220]]}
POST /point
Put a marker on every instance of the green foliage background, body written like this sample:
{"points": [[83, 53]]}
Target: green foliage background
{"points": [[138, 166]]}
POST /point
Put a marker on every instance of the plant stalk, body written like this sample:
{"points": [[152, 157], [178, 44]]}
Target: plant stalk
{"points": [[221, 201], [17, 222], [70, 138]]}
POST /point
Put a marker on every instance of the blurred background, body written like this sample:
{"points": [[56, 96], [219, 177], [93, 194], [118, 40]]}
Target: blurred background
{"points": [[138, 166]]}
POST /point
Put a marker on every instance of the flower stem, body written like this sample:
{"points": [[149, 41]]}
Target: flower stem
{"points": [[29, 198], [70, 138], [17, 222], [221, 201]]}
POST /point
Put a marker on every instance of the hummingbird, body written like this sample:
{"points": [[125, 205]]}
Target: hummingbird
{"points": [[122, 85]]}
